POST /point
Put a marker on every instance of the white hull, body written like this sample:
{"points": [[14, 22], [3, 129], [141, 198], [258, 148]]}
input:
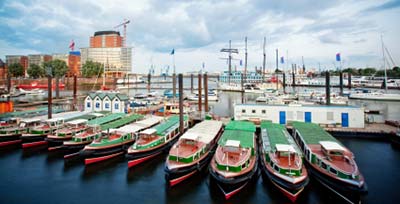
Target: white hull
{"points": [[196, 98], [376, 96]]}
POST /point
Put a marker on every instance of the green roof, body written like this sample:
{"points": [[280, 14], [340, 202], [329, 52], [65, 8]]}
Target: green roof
{"points": [[121, 97], [106, 119], [312, 133], [275, 133], [242, 131], [29, 113], [241, 125], [86, 117], [171, 121], [121, 122]]}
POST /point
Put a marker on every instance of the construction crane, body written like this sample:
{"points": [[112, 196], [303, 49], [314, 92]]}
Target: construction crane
{"points": [[126, 21]]}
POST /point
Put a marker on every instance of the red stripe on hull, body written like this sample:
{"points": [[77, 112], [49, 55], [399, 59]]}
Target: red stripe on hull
{"points": [[229, 195], [54, 148], [2, 144], [180, 179], [292, 197], [33, 144], [138, 161], [99, 159]]}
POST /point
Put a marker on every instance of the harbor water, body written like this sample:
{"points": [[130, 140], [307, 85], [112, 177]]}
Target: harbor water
{"points": [[37, 176]]}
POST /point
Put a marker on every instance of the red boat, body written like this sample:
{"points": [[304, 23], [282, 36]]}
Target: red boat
{"points": [[36, 85]]}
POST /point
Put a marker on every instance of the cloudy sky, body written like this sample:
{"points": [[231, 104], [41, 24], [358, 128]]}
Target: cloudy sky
{"points": [[197, 30]]}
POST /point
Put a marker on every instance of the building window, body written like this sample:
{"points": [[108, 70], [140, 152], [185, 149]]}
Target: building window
{"points": [[300, 115], [116, 106], [329, 115], [97, 105], [107, 105], [253, 111], [88, 104], [243, 110], [263, 111]]}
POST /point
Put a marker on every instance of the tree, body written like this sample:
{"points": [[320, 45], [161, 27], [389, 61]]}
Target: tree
{"points": [[57, 68], [16, 70], [90, 69], [35, 71]]}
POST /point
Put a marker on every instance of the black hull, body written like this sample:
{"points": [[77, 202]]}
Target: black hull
{"points": [[230, 186], [74, 147], [93, 153], [395, 139], [290, 187], [36, 138], [344, 190], [10, 138], [163, 148], [181, 172], [52, 142]]}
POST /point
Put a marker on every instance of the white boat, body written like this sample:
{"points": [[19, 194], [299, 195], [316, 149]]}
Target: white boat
{"points": [[252, 88], [32, 91], [195, 97], [132, 80], [375, 96]]}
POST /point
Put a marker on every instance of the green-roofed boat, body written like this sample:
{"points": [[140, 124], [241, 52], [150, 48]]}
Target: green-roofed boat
{"points": [[329, 161], [281, 160], [153, 141], [111, 143], [235, 164], [36, 135], [11, 135], [193, 151], [65, 133]]}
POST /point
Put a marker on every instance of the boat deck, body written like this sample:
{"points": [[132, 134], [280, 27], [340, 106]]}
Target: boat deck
{"points": [[232, 158], [185, 150], [339, 162], [284, 162]]}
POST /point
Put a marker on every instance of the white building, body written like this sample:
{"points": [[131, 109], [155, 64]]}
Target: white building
{"points": [[344, 116], [113, 102]]}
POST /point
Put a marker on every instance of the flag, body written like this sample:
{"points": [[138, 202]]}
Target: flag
{"points": [[72, 45], [203, 65], [282, 60], [241, 63], [338, 57], [172, 51]]}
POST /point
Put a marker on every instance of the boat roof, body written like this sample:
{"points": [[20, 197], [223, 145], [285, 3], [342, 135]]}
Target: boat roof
{"points": [[77, 121], [131, 128], [242, 131], [149, 131], [148, 122], [329, 145], [313, 133], [106, 119], [30, 120], [232, 143], [171, 121], [284, 148], [96, 114], [204, 132], [54, 120], [121, 121], [275, 133]]}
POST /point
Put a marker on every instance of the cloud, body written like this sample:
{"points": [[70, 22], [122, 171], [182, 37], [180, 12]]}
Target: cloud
{"points": [[201, 28]]}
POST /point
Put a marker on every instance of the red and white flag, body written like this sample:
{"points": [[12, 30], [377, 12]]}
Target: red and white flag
{"points": [[72, 45]]}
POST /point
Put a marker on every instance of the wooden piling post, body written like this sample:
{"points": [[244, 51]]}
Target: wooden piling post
{"points": [[205, 93], [181, 119], [327, 89], [191, 83], [199, 94], [173, 85], [341, 83], [349, 80], [49, 97], [75, 93]]}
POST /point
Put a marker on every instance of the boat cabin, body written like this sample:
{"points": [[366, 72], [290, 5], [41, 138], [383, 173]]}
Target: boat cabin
{"points": [[330, 148], [77, 123], [54, 122], [284, 150], [29, 122]]}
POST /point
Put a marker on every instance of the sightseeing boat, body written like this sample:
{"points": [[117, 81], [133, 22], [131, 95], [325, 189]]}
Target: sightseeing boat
{"points": [[11, 135], [80, 140], [281, 160], [36, 135], [193, 151], [154, 141], [70, 129], [114, 142], [235, 164], [331, 163]]}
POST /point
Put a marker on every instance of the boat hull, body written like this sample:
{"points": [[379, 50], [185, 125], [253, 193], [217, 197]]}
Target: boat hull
{"points": [[100, 154], [395, 139], [57, 141], [290, 190], [30, 140], [231, 186], [11, 139], [177, 175], [136, 158], [344, 190]]}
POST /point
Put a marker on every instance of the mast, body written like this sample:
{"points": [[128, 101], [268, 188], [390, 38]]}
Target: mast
{"points": [[230, 63], [384, 62], [264, 60], [245, 60]]}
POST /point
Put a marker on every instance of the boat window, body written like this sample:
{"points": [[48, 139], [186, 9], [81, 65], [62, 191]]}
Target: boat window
{"points": [[329, 115], [243, 165], [323, 165], [318, 161], [253, 111], [263, 112], [84, 139], [243, 110], [276, 167], [333, 171]]}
